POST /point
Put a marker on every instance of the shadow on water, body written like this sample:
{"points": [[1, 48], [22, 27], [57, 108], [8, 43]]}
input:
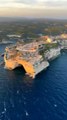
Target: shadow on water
{"points": [[20, 68], [18, 76]]}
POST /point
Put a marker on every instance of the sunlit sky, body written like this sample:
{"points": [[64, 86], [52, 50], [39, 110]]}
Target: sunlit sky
{"points": [[34, 8]]}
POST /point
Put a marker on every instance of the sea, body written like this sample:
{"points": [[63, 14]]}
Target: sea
{"points": [[42, 98]]}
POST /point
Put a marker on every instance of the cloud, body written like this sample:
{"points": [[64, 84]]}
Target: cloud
{"points": [[26, 1], [33, 7], [55, 3], [6, 1], [34, 3]]}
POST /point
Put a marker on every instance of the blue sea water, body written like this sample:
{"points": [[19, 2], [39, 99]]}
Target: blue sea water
{"points": [[43, 98]]}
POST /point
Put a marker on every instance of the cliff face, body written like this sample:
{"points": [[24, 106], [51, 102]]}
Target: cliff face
{"points": [[30, 69], [52, 54], [31, 56], [15, 62]]}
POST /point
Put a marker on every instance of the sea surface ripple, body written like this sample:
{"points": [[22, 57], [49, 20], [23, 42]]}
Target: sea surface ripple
{"points": [[43, 98]]}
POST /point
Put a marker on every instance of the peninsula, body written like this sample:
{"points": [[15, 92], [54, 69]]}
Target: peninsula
{"points": [[34, 56]]}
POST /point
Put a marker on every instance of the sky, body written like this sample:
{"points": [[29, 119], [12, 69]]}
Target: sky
{"points": [[34, 8]]}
